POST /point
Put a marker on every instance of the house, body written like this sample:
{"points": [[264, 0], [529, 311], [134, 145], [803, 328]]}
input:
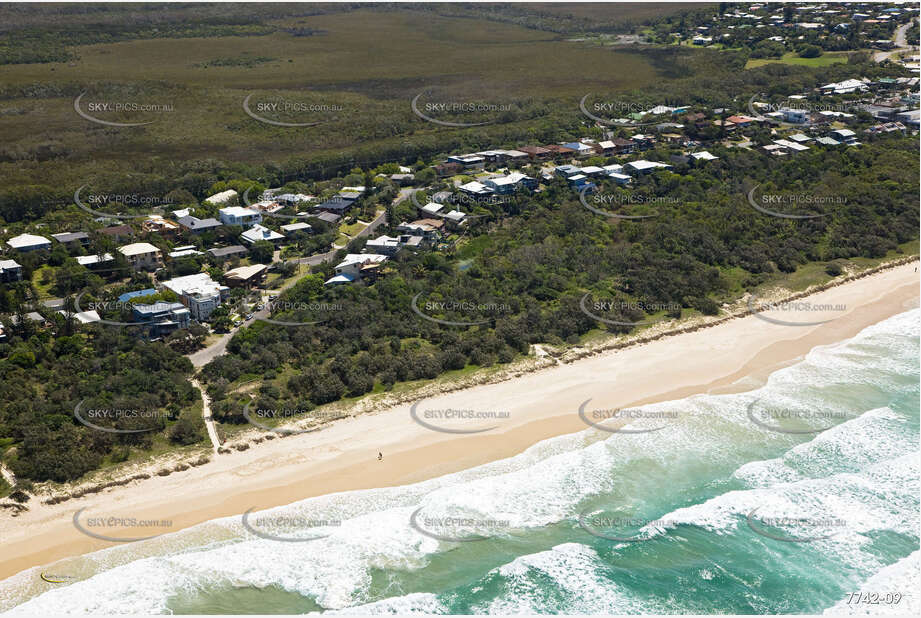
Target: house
{"points": [[828, 141], [224, 253], [793, 146], [909, 118], [158, 225], [391, 245], [580, 150], [432, 208], [89, 261], [292, 199], [223, 197], [509, 184], [246, 276], [557, 150], [743, 122], [84, 317], [72, 238], [448, 169], [194, 225], [339, 204], [455, 219], [536, 152], [845, 87], [623, 146], [800, 138], [356, 266], [514, 155], [567, 171], [642, 166], [10, 271], [127, 296], [184, 251], [29, 242], [887, 127], [703, 156], [579, 182], [476, 189], [613, 168], [643, 142], [327, 217], [198, 292], [621, 179], [292, 228], [428, 229], [142, 255], [237, 215], [259, 232], [118, 232], [776, 150], [161, 318], [594, 170], [845, 136], [468, 161], [794, 116], [702, 40]]}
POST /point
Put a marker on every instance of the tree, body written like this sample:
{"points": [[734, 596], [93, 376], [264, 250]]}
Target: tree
{"points": [[262, 252]]}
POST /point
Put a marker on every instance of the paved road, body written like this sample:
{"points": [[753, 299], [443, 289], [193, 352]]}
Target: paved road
{"points": [[901, 43]]}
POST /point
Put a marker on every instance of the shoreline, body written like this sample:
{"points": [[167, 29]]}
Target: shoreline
{"points": [[542, 403]]}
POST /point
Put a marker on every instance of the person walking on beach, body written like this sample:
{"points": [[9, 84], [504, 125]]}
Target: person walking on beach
{"points": [[380, 456]]}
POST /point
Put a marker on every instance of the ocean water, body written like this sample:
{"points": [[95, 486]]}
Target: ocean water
{"points": [[796, 511]]}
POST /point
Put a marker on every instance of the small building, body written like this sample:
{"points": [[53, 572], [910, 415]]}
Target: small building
{"points": [[118, 232], [509, 184], [246, 276], [476, 189], [89, 261], [579, 149], [428, 229], [299, 227], [338, 204], [444, 170], [156, 224], [356, 266], [128, 296], [83, 317], [28, 242], [327, 217], [468, 161], [184, 251], [644, 167], [10, 271], [792, 146], [237, 215], [142, 255], [567, 171], [536, 152], [72, 238], [259, 232], [703, 156], [194, 225], [225, 253], [845, 136]]}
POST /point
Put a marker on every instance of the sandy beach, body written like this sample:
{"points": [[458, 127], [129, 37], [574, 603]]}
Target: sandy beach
{"points": [[539, 405]]}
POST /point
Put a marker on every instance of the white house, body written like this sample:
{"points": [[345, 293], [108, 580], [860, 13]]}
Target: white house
{"points": [[237, 215], [142, 255], [354, 265], [198, 292], [258, 232], [29, 242], [644, 167]]}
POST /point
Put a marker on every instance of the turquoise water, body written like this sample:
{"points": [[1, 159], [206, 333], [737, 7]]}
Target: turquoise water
{"points": [[686, 493]]}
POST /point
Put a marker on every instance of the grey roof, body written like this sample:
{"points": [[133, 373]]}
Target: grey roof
{"points": [[66, 237], [233, 249], [194, 223], [327, 217]]}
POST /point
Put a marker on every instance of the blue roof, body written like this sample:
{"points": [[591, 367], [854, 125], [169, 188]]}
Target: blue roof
{"points": [[129, 295]]}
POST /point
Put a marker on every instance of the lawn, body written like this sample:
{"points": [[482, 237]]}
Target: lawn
{"points": [[825, 59]]}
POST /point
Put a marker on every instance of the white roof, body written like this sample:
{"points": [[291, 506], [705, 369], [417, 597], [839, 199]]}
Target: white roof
{"points": [[455, 215], [845, 133], [27, 240], [614, 167], [704, 156], [137, 248], [828, 141], [617, 176], [361, 258], [259, 232], [223, 196], [238, 211], [592, 169], [11, 264], [799, 137], [245, 272], [606, 144], [183, 252], [791, 145], [515, 154], [84, 317], [87, 260], [294, 227], [432, 207], [184, 212], [199, 283], [642, 164], [475, 187]]}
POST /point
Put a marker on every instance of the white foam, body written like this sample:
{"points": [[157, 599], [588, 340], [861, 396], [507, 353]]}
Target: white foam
{"points": [[902, 577]]}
